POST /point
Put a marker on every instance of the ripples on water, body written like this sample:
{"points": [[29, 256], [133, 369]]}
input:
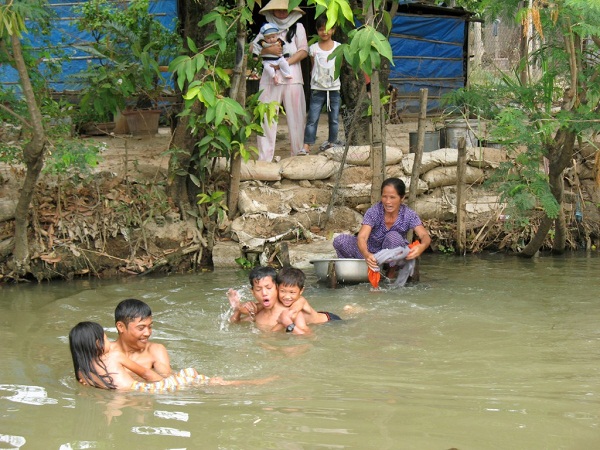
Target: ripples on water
{"points": [[486, 352]]}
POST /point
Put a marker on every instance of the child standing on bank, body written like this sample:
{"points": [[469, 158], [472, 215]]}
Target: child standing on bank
{"points": [[325, 89]]}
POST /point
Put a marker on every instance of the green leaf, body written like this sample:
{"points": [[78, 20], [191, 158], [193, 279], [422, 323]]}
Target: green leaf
{"points": [[220, 111], [192, 45], [221, 27], [208, 94], [195, 180], [208, 18], [210, 114]]}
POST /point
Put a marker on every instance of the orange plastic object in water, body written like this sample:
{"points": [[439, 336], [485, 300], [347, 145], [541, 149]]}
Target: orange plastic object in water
{"points": [[375, 277], [417, 242]]}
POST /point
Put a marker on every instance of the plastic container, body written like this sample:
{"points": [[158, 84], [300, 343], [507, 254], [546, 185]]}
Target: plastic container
{"points": [[142, 122], [432, 141]]}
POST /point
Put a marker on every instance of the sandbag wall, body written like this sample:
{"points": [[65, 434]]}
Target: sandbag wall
{"points": [[279, 200]]}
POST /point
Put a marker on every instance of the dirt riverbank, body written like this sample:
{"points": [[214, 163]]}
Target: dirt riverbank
{"points": [[120, 222]]}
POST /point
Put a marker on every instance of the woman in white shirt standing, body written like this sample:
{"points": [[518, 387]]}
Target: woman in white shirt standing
{"points": [[289, 91]]}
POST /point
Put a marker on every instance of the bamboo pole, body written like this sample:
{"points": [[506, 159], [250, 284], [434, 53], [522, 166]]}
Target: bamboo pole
{"points": [[416, 168], [461, 211]]}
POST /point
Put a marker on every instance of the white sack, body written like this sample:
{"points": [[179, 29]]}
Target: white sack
{"points": [[308, 168]]}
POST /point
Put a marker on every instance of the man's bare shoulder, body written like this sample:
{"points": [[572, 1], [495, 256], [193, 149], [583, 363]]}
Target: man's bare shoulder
{"points": [[154, 348]]}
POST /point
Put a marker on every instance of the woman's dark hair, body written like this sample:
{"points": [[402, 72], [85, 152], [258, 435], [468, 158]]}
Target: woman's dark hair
{"points": [[397, 183], [260, 272], [130, 309], [291, 32], [86, 341], [290, 276]]}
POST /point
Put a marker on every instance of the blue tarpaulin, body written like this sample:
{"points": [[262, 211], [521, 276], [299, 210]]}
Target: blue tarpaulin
{"points": [[429, 45], [64, 37]]}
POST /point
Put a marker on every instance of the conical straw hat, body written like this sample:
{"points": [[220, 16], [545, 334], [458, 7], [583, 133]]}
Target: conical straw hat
{"points": [[278, 4]]}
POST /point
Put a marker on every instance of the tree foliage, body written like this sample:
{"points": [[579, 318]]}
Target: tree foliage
{"points": [[222, 125], [539, 117]]}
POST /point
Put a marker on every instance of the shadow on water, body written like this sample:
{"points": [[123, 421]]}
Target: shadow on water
{"points": [[486, 352]]}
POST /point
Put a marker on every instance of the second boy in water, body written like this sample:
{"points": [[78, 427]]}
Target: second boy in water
{"points": [[268, 312], [281, 295]]}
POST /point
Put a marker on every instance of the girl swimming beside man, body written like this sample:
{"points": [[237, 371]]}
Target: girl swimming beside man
{"points": [[99, 363]]}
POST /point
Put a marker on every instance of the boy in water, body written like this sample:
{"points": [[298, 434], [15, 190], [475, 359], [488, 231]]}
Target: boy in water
{"points": [[290, 286], [268, 312]]}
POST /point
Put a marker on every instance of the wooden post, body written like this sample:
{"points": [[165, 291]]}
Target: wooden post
{"points": [[461, 211], [377, 151], [332, 275], [284, 255], [416, 168]]}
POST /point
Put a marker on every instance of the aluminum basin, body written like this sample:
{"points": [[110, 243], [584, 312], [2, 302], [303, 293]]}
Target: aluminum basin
{"points": [[346, 270]]}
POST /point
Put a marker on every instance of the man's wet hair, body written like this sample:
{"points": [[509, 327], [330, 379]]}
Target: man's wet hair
{"points": [[290, 276], [260, 272], [131, 309]]}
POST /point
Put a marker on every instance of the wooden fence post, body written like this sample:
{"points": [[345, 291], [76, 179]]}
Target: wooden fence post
{"points": [[416, 168], [461, 211]]}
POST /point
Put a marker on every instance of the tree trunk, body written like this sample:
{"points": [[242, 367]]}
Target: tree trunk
{"points": [[33, 155], [461, 203], [180, 164], [560, 156], [538, 239], [351, 86], [238, 92]]}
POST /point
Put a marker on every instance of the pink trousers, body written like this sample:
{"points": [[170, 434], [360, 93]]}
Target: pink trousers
{"points": [[292, 98]]}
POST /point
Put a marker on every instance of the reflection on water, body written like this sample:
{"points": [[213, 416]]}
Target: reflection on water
{"points": [[486, 352]]}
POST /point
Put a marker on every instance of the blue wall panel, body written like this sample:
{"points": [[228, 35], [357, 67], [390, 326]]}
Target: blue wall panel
{"points": [[65, 36], [429, 52]]}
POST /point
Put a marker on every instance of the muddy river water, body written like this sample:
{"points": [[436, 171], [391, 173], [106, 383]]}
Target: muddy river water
{"points": [[486, 352]]}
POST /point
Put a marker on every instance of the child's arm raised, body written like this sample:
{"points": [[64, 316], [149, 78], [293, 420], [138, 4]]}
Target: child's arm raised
{"points": [[242, 312]]}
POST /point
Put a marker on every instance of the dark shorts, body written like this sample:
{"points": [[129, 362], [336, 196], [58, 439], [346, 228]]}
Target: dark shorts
{"points": [[330, 316]]}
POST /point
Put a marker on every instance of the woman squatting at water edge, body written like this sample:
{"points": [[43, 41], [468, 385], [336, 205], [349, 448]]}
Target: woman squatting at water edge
{"points": [[385, 227]]}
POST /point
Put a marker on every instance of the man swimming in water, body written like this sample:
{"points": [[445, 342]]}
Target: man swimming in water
{"points": [[133, 319]]}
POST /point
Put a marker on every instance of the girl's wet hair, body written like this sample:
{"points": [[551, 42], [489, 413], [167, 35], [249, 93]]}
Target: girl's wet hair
{"points": [[397, 183], [130, 309], [290, 276], [86, 341]]}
